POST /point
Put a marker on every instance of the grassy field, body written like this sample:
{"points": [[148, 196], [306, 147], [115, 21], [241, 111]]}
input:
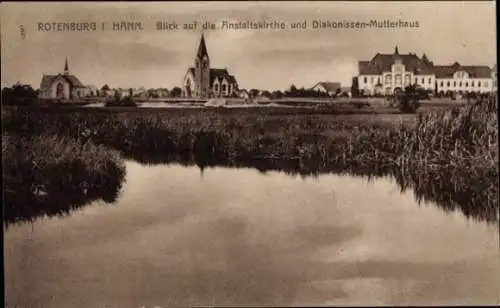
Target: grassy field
{"points": [[461, 142]]}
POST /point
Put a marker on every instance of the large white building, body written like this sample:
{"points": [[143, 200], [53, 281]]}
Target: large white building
{"points": [[386, 73]]}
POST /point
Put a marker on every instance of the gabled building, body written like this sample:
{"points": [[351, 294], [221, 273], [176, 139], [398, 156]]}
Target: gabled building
{"points": [[328, 87], [63, 86], [201, 81], [387, 73], [463, 79]]}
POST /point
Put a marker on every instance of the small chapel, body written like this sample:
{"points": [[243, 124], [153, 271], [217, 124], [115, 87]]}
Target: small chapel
{"points": [[201, 81], [63, 86]]}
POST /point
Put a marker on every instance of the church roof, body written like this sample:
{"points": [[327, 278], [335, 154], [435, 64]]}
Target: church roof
{"points": [[202, 48], [47, 80], [217, 73]]}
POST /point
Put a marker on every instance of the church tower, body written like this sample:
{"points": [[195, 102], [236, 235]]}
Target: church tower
{"points": [[202, 70], [66, 69]]}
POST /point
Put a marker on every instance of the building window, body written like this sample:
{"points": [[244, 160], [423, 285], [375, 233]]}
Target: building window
{"points": [[416, 80], [479, 84], [442, 84], [466, 84], [224, 88], [460, 84], [371, 80], [397, 79], [216, 88], [472, 84], [486, 84], [422, 81], [454, 83], [448, 84], [365, 80], [430, 80], [388, 79]]}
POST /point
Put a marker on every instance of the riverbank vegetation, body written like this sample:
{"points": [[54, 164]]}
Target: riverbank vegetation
{"points": [[50, 175], [461, 141]]}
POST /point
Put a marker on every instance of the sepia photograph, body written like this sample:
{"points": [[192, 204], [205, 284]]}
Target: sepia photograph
{"points": [[250, 153]]}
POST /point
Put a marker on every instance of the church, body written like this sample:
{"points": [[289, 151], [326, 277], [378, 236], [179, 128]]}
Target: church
{"points": [[201, 81], [62, 86]]}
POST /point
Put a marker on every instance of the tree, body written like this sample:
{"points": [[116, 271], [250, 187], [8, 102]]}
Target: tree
{"points": [[176, 92], [354, 87], [408, 100], [105, 88], [253, 93], [277, 94], [19, 94]]}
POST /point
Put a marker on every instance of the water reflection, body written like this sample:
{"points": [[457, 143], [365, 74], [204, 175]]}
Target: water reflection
{"points": [[475, 196], [239, 237]]}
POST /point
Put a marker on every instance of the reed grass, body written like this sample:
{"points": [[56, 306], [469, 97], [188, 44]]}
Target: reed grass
{"points": [[463, 140], [49, 175]]}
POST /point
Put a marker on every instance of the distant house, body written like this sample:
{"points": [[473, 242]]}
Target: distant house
{"points": [[328, 87], [243, 93], [62, 86]]}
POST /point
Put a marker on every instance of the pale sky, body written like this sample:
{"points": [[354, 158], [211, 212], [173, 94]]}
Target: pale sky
{"points": [[264, 59]]}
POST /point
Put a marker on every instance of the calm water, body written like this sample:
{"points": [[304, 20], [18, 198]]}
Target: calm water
{"points": [[177, 236]]}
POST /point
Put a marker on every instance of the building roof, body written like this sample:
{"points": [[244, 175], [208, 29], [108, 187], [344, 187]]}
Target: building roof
{"points": [[383, 62], [475, 71], [47, 80], [329, 86], [217, 73]]}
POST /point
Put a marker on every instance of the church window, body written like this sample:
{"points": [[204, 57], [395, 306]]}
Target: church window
{"points": [[442, 84], [216, 87], [448, 84], [223, 88], [60, 90]]}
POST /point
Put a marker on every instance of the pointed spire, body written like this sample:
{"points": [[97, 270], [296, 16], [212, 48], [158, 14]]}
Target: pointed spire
{"points": [[396, 51], [202, 48], [66, 69]]}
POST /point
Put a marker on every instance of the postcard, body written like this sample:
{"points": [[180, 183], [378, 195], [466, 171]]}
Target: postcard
{"points": [[250, 153]]}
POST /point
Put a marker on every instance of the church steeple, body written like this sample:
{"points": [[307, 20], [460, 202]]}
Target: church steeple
{"points": [[66, 69], [396, 51], [202, 48]]}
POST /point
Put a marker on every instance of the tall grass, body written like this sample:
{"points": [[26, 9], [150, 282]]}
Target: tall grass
{"points": [[461, 141], [49, 175]]}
